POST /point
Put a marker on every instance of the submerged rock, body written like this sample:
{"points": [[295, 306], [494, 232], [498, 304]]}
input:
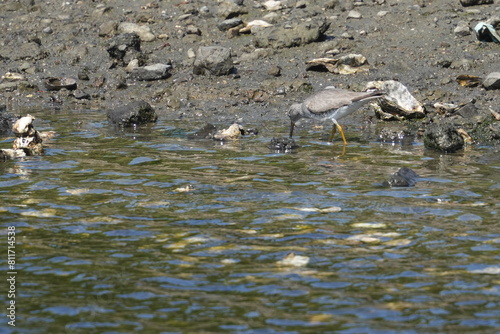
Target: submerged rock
{"points": [[443, 137], [283, 145], [207, 132], [132, 114], [404, 177]]}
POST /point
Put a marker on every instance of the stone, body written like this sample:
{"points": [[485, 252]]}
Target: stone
{"points": [[353, 14], [132, 114], [404, 177], [462, 29], [229, 23], [467, 3], [215, 60], [150, 73], [492, 81], [443, 137], [143, 31], [123, 43], [281, 37]]}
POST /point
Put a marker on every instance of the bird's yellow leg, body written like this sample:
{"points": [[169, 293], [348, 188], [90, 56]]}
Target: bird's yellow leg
{"points": [[337, 125], [334, 130], [342, 134]]}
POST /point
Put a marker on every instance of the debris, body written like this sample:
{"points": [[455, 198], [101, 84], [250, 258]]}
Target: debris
{"points": [[28, 140], [53, 83], [495, 114], [486, 33], [349, 64], [233, 132], [397, 103], [465, 136], [466, 80]]}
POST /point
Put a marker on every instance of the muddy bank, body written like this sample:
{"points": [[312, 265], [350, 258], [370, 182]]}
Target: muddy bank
{"points": [[120, 52]]}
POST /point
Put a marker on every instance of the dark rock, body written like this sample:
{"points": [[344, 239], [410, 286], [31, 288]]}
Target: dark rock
{"points": [[215, 60], [281, 37], [467, 3], [134, 113], [121, 44], [492, 81], [404, 177], [6, 121], [207, 132], [282, 145], [443, 137], [151, 72], [229, 23]]}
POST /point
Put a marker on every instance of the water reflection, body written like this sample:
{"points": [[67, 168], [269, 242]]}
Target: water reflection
{"points": [[152, 232]]}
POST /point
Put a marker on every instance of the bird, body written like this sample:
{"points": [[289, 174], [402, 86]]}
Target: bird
{"points": [[331, 103]]}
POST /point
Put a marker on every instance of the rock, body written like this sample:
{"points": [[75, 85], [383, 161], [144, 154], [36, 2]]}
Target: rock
{"points": [[353, 14], [404, 177], [272, 5], [215, 60], [144, 32], [132, 114], [467, 3], [398, 103], [6, 121], [123, 43], [150, 73], [462, 29], [280, 37], [443, 137], [229, 23], [492, 81], [228, 10], [108, 28], [282, 145]]}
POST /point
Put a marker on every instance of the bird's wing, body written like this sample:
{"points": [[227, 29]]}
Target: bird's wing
{"points": [[333, 98]]}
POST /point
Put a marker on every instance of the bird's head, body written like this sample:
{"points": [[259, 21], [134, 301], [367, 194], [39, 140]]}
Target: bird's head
{"points": [[295, 112]]}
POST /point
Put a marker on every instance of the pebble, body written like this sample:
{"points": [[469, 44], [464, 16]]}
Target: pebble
{"points": [[353, 14]]}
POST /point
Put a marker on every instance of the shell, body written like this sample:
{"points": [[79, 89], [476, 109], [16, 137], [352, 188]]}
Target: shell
{"points": [[398, 103]]}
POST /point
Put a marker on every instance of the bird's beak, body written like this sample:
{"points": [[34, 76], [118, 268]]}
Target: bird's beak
{"points": [[292, 125]]}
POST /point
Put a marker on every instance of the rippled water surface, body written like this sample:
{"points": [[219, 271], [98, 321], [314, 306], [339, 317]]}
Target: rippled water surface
{"points": [[150, 232]]}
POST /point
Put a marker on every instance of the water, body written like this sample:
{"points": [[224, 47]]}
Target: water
{"points": [[149, 232]]}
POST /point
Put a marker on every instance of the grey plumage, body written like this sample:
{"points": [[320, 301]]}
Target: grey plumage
{"points": [[330, 103]]}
